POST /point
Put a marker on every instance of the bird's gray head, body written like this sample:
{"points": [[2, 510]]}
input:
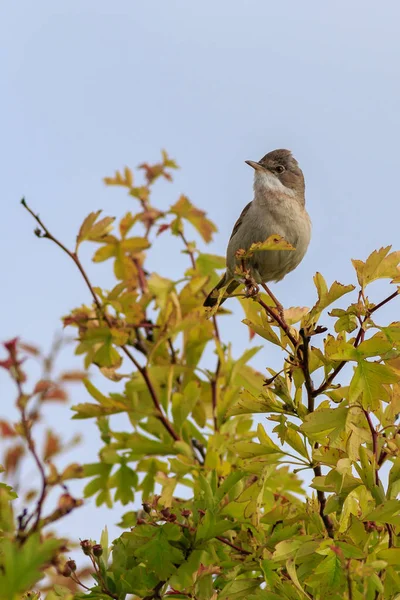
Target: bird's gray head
{"points": [[279, 171]]}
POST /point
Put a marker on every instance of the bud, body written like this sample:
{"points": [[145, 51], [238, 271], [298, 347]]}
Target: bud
{"points": [[165, 512], [140, 522], [146, 507], [172, 517], [201, 512], [97, 550], [186, 513], [86, 547], [66, 571], [71, 564], [66, 503]]}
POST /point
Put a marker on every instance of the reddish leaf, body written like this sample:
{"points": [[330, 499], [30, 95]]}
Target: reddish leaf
{"points": [[6, 430], [163, 228], [73, 376], [51, 445], [12, 458]]}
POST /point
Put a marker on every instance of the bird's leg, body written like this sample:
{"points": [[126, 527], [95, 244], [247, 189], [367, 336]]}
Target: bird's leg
{"points": [[278, 305], [252, 288]]}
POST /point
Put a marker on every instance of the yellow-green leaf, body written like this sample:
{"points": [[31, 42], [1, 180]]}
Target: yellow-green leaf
{"points": [[184, 209], [274, 242], [379, 265], [368, 382]]}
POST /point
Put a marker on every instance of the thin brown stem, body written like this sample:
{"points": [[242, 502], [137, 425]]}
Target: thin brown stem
{"points": [[322, 503], [32, 449], [142, 370], [349, 582], [74, 577], [141, 276], [306, 370], [214, 394], [278, 305], [228, 543], [172, 351], [281, 322], [156, 591]]}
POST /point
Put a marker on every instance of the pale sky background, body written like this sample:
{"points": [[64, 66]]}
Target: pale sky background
{"points": [[91, 85]]}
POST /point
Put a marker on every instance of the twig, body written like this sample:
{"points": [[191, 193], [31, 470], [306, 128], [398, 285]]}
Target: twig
{"points": [[141, 276], [374, 436], [281, 322], [200, 448], [322, 503], [306, 370], [31, 445], [349, 582], [156, 591], [228, 543], [214, 394], [142, 370], [172, 350], [74, 577]]}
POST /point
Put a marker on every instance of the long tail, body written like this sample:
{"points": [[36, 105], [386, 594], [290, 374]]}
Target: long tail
{"points": [[212, 298]]}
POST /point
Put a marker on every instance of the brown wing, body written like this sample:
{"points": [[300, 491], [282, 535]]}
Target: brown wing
{"points": [[239, 221]]}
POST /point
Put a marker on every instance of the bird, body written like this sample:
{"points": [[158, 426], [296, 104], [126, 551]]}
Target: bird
{"points": [[278, 207]]}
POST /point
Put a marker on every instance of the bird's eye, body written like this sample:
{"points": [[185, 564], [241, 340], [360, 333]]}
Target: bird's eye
{"points": [[280, 169]]}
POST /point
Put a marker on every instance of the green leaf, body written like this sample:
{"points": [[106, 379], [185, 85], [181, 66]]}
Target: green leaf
{"points": [[329, 574], [390, 555], [265, 331], [368, 382], [324, 421], [291, 569], [239, 588], [286, 549], [159, 555], [207, 263], [161, 288], [126, 481], [388, 512], [22, 565], [325, 296], [107, 356]]}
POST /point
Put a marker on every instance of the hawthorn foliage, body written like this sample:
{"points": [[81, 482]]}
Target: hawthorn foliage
{"points": [[224, 511]]}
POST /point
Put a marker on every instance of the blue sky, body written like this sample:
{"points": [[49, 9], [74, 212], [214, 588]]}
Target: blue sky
{"points": [[91, 86]]}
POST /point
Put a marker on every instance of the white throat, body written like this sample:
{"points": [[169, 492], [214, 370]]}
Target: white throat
{"points": [[265, 181]]}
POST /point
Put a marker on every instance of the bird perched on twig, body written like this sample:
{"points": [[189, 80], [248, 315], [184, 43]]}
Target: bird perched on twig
{"points": [[278, 207]]}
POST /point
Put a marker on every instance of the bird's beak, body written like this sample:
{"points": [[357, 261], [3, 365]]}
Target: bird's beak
{"points": [[256, 166]]}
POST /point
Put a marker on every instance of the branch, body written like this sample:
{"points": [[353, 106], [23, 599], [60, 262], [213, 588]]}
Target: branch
{"points": [[322, 503], [142, 370], [214, 394], [228, 543], [306, 370], [280, 320], [32, 449]]}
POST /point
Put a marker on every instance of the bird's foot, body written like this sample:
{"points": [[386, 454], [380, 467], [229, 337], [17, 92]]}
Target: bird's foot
{"points": [[252, 289]]}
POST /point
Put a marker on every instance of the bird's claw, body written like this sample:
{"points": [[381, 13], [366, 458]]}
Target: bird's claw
{"points": [[252, 290]]}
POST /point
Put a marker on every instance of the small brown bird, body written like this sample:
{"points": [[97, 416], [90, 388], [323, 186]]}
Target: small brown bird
{"points": [[278, 207]]}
